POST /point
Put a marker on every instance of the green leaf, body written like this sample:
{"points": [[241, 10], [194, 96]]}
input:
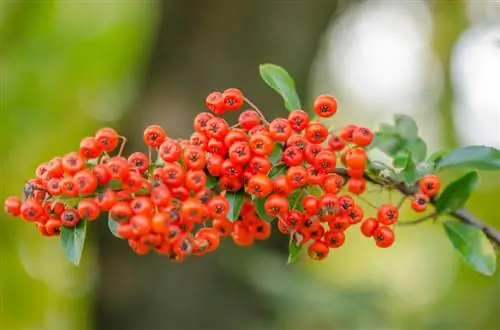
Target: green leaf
{"points": [[409, 173], [315, 190], [259, 208], [294, 249], [406, 127], [235, 203], [275, 156], [437, 155], [472, 245], [73, 240], [473, 157], [211, 181], [457, 193], [277, 171], [388, 143], [400, 159], [113, 227], [279, 80], [418, 149]]}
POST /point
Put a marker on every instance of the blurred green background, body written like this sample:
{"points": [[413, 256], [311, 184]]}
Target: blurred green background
{"points": [[69, 67]]}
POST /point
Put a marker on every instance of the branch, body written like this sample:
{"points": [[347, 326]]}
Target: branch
{"points": [[462, 214]]}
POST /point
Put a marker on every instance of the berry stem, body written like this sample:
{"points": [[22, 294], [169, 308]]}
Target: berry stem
{"points": [[367, 202], [254, 107]]}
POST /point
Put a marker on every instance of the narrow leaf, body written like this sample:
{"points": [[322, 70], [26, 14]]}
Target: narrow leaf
{"points": [[279, 80], [472, 245], [113, 227], [294, 249], [406, 127], [277, 171], [275, 156], [235, 203], [457, 193], [73, 240], [473, 157], [261, 212]]}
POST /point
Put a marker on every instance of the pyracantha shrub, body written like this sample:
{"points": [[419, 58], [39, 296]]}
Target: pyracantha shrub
{"points": [[295, 175]]}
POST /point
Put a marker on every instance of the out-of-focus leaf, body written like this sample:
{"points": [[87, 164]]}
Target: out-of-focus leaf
{"points": [[473, 157], [406, 127], [113, 227], [472, 245]]}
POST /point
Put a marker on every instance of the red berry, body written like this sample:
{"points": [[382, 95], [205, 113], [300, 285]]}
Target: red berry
{"points": [[383, 236], [369, 226], [298, 119], [249, 119], [233, 99], [215, 102], [430, 185], [318, 250], [387, 214], [154, 136], [325, 106]]}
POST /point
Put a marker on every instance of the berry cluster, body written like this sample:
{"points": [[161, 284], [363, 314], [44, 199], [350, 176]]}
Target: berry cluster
{"points": [[223, 181]]}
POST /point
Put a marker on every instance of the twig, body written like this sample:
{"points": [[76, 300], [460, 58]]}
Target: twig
{"points": [[417, 221], [462, 215]]}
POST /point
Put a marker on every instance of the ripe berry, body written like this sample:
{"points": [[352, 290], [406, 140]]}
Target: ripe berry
{"points": [[72, 163], [217, 128], [106, 139], [276, 205], [139, 161], [248, 119], [383, 236], [261, 144], [233, 99], [293, 156], [347, 132], [260, 185], [356, 186], [325, 161], [242, 235], [280, 129], [201, 120], [325, 106], [12, 206], [218, 207], [362, 136], [70, 218], [316, 133], [318, 250], [296, 176], [89, 148], [298, 119], [215, 103], [334, 238], [419, 202], [281, 186], [369, 226], [261, 230], [154, 136], [335, 143], [430, 185], [387, 214], [88, 209], [333, 183]]}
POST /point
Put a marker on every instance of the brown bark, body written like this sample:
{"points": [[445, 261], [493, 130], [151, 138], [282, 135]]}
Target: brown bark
{"points": [[201, 46]]}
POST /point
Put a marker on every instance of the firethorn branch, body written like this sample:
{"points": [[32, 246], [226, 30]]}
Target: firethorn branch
{"points": [[462, 214]]}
